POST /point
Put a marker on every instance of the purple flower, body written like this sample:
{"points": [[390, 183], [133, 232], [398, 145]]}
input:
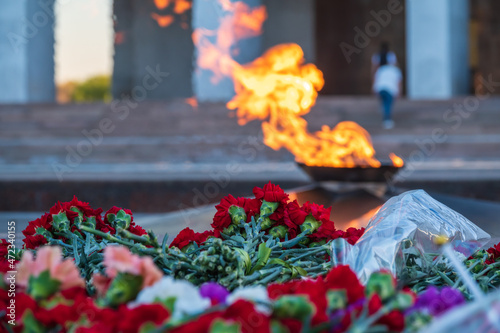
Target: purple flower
{"points": [[215, 292], [436, 302]]}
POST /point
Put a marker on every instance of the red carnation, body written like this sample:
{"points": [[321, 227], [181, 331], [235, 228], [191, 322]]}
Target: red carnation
{"points": [[252, 208], [31, 240], [352, 235], [200, 325], [187, 236], [184, 238], [343, 278], [293, 325], [319, 212], [201, 238], [315, 290], [63, 207], [133, 228], [251, 320], [294, 216], [83, 207], [114, 210], [4, 263], [271, 193], [394, 320], [132, 319], [326, 232], [222, 219]]}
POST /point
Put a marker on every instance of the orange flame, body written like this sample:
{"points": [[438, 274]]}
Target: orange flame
{"points": [[162, 4], [180, 7], [163, 20], [396, 160], [192, 101], [238, 21], [278, 88]]}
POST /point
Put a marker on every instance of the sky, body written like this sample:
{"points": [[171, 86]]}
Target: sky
{"points": [[84, 39]]}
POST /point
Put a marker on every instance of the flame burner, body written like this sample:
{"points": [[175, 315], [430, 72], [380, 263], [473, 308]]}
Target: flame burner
{"points": [[382, 174]]}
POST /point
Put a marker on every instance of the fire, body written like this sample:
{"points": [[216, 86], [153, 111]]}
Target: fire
{"points": [[216, 48], [162, 4], [278, 88], [179, 8], [396, 160], [192, 101], [163, 20], [182, 6]]}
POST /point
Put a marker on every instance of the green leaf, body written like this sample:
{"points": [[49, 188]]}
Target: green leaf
{"points": [[120, 220], [267, 208], [123, 289], [279, 231], [289, 306], [266, 223], [300, 270], [263, 254], [168, 302], [60, 222], [310, 224], [337, 299], [382, 284], [42, 286], [277, 261], [221, 326], [31, 325], [277, 327], [147, 327], [237, 214], [403, 301]]}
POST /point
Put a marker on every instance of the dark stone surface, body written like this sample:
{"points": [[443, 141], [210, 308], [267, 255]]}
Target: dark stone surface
{"points": [[146, 196]]}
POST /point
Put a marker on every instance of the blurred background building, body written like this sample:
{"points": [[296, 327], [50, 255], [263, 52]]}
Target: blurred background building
{"points": [[443, 46]]}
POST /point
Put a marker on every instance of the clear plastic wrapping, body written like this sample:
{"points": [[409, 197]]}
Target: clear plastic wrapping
{"points": [[409, 222]]}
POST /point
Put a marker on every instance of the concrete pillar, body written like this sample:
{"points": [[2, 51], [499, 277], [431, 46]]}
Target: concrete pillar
{"points": [[437, 48], [27, 51], [40, 53], [207, 15], [147, 51], [123, 64], [291, 21]]}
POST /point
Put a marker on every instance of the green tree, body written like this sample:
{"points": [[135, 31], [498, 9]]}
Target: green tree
{"points": [[94, 89]]}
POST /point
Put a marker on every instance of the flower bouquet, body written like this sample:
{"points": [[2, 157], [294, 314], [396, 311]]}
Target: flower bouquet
{"points": [[266, 265]]}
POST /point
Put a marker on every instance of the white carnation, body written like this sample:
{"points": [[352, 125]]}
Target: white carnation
{"points": [[188, 300]]}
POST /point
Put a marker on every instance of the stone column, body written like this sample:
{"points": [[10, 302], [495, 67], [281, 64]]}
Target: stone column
{"points": [[40, 53], [27, 51], [437, 48], [123, 64], [13, 66], [153, 60], [291, 21]]}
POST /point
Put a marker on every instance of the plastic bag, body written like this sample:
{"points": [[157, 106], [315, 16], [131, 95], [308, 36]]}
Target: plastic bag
{"points": [[406, 223]]}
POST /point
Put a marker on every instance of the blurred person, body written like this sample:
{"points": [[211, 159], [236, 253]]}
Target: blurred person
{"points": [[390, 56], [387, 83]]}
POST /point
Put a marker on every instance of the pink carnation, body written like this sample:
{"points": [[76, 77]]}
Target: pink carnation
{"points": [[49, 258], [119, 259]]}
